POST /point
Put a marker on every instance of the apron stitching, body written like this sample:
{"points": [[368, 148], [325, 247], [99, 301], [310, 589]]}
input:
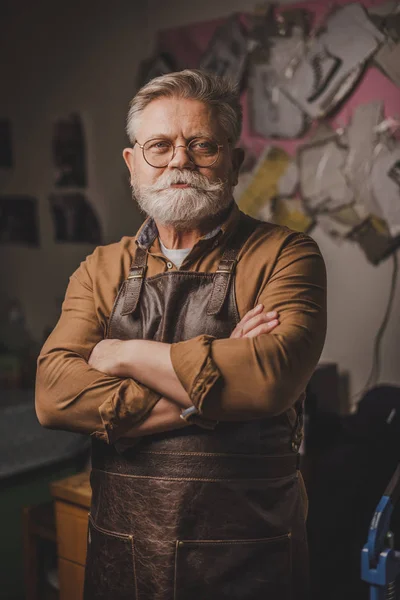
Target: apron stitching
{"points": [[275, 538], [212, 454], [121, 536], [134, 568], [209, 480], [176, 567]]}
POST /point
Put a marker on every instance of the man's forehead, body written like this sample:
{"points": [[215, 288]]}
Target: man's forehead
{"points": [[176, 116]]}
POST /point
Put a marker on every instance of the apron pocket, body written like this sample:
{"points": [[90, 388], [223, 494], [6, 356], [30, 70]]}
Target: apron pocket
{"points": [[233, 569], [110, 567]]}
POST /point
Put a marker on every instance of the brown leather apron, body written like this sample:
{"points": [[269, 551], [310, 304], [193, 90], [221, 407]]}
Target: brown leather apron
{"points": [[195, 514]]}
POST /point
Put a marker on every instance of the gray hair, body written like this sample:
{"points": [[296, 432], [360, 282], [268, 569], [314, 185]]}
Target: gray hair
{"points": [[220, 92]]}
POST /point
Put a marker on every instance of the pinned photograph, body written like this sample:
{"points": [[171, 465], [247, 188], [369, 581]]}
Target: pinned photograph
{"points": [[19, 220], [227, 52], [74, 219], [69, 152], [6, 154]]}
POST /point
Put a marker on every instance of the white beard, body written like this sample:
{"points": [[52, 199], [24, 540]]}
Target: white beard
{"points": [[183, 208]]}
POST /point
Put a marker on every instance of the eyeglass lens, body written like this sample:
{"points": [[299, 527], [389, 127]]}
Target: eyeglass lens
{"points": [[202, 151]]}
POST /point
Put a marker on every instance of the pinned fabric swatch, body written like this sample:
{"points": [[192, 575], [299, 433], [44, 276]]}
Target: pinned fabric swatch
{"points": [[74, 219], [273, 164], [375, 240], [227, 52]]}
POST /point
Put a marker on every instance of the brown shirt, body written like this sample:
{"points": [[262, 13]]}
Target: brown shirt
{"points": [[227, 379]]}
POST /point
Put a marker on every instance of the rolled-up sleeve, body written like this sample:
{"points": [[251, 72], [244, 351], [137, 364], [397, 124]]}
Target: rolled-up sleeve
{"points": [[245, 378], [70, 394]]}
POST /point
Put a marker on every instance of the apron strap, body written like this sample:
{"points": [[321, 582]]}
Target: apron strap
{"points": [[134, 283], [226, 268]]}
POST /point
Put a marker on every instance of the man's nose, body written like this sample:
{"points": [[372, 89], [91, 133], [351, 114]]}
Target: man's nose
{"points": [[181, 159]]}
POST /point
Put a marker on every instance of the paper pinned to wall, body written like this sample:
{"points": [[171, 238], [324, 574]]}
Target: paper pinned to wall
{"points": [[375, 240], [290, 212], [322, 182], [6, 153], [388, 60], [340, 223], [362, 139], [227, 52], [160, 64], [264, 185], [385, 182], [334, 60]]}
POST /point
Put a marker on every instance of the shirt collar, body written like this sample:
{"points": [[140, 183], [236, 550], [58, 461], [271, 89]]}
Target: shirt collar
{"points": [[148, 232]]}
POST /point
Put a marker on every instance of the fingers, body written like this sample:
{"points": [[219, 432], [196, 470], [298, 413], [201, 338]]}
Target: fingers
{"points": [[238, 331], [268, 320], [249, 315], [262, 328]]}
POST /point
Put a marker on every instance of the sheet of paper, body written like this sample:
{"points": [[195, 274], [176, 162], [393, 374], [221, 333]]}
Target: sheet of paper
{"points": [[385, 182], [362, 139], [272, 165], [290, 212], [374, 239], [227, 52], [388, 59], [337, 54], [340, 223], [322, 182]]}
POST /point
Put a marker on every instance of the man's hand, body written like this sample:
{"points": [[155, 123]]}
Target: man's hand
{"points": [[256, 322]]}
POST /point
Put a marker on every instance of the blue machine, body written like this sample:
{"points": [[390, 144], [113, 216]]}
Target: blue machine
{"points": [[380, 563]]}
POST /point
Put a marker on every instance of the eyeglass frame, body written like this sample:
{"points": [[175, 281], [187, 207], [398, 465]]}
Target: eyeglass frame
{"points": [[219, 146]]}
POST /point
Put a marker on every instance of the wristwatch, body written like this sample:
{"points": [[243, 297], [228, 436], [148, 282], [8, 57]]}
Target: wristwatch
{"points": [[192, 415]]}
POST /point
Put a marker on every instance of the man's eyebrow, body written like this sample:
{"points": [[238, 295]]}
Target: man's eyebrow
{"points": [[198, 134]]}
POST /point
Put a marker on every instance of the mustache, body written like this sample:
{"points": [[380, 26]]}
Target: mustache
{"points": [[192, 178]]}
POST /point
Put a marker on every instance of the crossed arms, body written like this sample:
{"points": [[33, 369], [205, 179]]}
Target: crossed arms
{"points": [[242, 377]]}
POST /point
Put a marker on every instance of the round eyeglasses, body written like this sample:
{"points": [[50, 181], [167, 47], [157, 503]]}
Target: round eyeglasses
{"points": [[158, 153]]}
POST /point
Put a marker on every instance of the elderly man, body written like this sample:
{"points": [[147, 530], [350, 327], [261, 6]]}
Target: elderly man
{"points": [[185, 352]]}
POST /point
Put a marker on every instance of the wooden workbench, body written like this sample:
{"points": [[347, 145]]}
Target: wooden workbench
{"points": [[72, 498]]}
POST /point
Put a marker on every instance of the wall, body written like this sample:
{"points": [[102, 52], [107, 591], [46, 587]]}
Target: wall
{"points": [[84, 56]]}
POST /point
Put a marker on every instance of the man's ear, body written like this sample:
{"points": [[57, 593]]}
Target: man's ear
{"points": [[127, 153], [237, 161]]}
